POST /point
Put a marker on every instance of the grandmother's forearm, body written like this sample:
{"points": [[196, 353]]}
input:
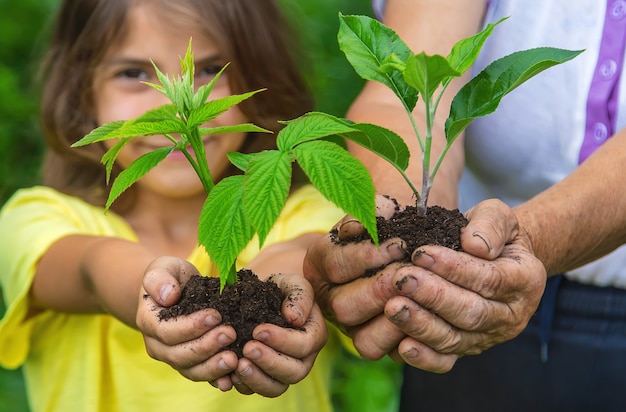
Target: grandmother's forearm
{"points": [[583, 217]]}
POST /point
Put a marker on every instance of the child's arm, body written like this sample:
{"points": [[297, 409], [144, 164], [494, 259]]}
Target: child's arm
{"points": [[83, 274]]}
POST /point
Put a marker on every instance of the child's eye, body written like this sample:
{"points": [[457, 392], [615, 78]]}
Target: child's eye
{"points": [[211, 70], [136, 74]]}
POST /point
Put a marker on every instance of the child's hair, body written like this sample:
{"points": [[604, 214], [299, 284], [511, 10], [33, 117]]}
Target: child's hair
{"points": [[252, 35]]}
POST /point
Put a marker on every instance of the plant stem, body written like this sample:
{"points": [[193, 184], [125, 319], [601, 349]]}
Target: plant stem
{"points": [[416, 192], [426, 180], [415, 129], [200, 165], [447, 147]]}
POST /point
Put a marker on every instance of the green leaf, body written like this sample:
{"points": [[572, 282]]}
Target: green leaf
{"points": [[368, 45], [266, 186], [167, 88], [481, 95], [164, 112], [187, 63], [155, 85], [236, 128], [211, 109], [426, 73], [136, 171], [100, 133], [465, 51], [240, 160], [135, 129], [383, 142], [108, 159], [205, 90], [224, 229], [132, 129], [342, 179], [311, 126]]}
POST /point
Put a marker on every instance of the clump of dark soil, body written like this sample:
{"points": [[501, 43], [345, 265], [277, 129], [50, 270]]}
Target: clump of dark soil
{"points": [[243, 305], [439, 226]]}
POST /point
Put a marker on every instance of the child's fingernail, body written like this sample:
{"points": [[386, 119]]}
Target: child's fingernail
{"points": [[350, 228], [212, 320], [223, 339], [254, 354], [262, 336], [165, 292], [223, 365]]}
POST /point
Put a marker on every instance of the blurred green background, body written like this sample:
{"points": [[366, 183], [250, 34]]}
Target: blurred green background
{"points": [[359, 385]]}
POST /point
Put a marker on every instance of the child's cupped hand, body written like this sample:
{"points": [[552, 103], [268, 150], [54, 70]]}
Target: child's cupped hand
{"points": [[194, 344]]}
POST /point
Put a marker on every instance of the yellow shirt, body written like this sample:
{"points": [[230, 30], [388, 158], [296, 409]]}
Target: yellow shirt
{"points": [[86, 362]]}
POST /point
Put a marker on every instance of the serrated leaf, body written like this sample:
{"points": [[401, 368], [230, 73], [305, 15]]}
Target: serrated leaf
{"points": [[134, 129], [340, 178], [426, 73], [136, 171], [167, 88], [187, 64], [156, 86], [481, 95], [164, 112], [266, 186], [205, 90], [367, 43], [236, 128], [310, 126], [383, 142], [108, 159], [213, 108], [224, 229], [99, 133], [240, 160]]}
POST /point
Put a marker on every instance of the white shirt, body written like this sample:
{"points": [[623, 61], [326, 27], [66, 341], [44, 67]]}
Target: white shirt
{"points": [[535, 137]]}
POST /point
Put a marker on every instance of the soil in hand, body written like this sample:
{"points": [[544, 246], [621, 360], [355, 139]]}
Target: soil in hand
{"points": [[439, 226], [243, 305]]}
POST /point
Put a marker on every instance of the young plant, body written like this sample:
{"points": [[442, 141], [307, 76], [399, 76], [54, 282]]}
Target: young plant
{"points": [[242, 205], [378, 54], [181, 122]]}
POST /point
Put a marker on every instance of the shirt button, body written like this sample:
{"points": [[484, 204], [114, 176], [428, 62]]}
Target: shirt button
{"points": [[608, 69], [600, 132], [618, 10]]}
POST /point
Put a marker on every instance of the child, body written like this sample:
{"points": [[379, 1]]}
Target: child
{"points": [[73, 277]]}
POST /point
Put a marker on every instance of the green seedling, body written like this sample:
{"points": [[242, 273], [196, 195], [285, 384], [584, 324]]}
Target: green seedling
{"points": [[242, 206], [378, 54]]}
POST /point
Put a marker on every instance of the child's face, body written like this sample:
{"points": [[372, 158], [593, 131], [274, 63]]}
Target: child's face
{"points": [[120, 95]]}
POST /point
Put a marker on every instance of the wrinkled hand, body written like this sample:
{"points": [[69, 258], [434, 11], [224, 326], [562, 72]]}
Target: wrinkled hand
{"points": [[355, 303], [447, 305], [194, 344]]}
